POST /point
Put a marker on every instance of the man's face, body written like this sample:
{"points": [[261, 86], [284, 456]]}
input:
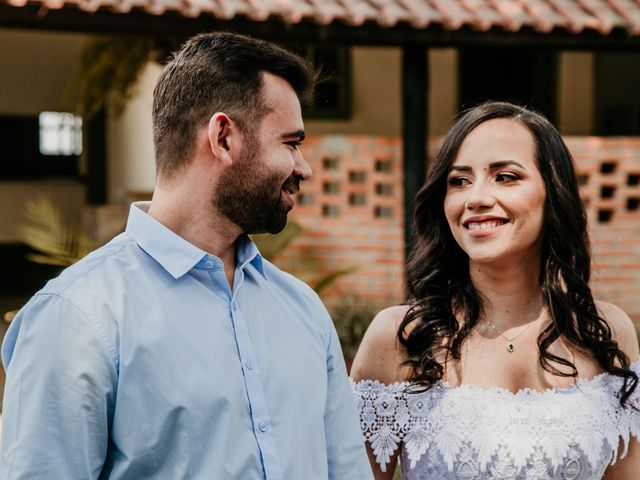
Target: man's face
{"points": [[257, 192]]}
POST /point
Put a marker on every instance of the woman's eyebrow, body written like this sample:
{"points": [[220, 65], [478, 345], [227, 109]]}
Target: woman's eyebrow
{"points": [[460, 168], [504, 163], [492, 166]]}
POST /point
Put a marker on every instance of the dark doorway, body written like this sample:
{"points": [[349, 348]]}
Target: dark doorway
{"points": [[617, 93], [524, 76]]}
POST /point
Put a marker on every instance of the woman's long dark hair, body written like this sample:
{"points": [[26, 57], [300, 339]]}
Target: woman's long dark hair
{"points": [[439, 286]]}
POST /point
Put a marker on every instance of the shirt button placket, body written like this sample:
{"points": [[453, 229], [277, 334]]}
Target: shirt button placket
{"points": [[255, 394]]}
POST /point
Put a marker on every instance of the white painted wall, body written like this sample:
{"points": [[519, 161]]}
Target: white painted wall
{"points": [[35, 70], [131, 165]]}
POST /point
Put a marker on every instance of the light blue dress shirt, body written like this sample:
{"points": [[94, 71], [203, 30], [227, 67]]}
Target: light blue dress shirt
{"points": [[141, 362]]}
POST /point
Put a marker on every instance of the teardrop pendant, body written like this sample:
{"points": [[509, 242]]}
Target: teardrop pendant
{"points": [[510, 347]]}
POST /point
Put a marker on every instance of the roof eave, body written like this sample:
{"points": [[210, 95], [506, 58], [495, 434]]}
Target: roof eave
{"points": [[138, 22]]}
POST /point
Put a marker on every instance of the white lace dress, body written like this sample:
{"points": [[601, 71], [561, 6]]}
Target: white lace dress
{"points": [[473, 433]]}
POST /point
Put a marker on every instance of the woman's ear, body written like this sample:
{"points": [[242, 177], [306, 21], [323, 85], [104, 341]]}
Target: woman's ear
{"points": [[221, 132]]}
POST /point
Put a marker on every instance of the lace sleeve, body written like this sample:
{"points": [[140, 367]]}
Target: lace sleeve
{"points": [[627, 418], [384, 416]]}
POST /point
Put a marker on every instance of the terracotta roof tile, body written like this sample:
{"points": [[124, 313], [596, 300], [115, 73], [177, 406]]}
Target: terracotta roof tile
{"points": [[484, 15], [514, 13], [390, 12], [454, 13], [358, 11], [259, 10], [575, 16], [326, 11], [291, 11], [544, 17], [607, 16], [422, 13], [631, 13]]}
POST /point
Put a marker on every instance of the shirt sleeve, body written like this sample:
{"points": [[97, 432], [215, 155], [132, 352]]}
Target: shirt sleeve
{"points": [[59, 394], [347, 457]]}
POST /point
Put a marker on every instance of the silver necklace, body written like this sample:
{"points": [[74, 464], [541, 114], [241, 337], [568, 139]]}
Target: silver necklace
{"points": [[510, 347]]}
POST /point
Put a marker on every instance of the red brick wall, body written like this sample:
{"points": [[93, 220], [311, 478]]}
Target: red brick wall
{"points": [[609, 170], [352, 213]]}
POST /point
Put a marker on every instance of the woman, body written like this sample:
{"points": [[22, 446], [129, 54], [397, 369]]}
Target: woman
{"points": [[501, 365]]}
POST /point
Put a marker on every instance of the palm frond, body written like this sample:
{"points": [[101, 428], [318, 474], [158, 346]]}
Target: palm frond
{"points": [[58, 261], [324, 281], [56, 240], [110, 68], [271, 246]]}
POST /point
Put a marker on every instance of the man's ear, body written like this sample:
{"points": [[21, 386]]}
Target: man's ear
{"points": [[222, 133]]}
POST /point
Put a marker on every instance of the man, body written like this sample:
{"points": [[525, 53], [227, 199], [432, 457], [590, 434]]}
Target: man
{"points": [[176, 351]]}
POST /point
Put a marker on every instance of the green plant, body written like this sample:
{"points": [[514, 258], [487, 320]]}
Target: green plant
{"points": [[57, 240], [272, 246], [109, 70], [352, 316], [398, 473]]}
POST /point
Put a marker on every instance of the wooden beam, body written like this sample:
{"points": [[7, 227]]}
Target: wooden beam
{"points": [[415, 87]]}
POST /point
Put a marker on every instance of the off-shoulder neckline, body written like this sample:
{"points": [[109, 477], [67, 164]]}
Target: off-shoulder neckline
{"points": [[580, 384]]}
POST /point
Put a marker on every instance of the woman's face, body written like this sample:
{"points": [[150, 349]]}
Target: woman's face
{"points": [[495, 194]]}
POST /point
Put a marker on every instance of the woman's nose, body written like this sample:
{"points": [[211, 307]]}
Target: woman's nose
{"points": [[480, 197]]}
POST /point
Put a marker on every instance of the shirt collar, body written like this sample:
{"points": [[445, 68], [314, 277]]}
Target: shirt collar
{"points": [[247, 252], [176, 255]]}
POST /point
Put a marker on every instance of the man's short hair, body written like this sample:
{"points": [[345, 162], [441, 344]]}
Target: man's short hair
{"points": [[217, 72]]}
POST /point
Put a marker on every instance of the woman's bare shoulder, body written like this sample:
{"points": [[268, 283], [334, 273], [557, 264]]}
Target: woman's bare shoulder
{"points": [[381, 355], [623, 329]]}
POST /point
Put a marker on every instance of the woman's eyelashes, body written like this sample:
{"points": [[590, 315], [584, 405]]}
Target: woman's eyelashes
{"points": [[500, 177], [506, 177], [458, 181]]}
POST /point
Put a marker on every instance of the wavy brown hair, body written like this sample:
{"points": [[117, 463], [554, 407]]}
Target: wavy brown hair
{"points": [[444, 306]]}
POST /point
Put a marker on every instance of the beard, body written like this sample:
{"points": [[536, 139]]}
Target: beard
{"points": [[250, 195]]}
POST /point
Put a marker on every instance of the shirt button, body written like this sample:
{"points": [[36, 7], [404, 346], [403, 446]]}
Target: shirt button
{"points": [[250, 365], [234, 305], [263, 427], [208, 264]]}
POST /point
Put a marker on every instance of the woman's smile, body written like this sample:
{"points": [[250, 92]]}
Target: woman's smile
{"points": [[483, 226]]}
